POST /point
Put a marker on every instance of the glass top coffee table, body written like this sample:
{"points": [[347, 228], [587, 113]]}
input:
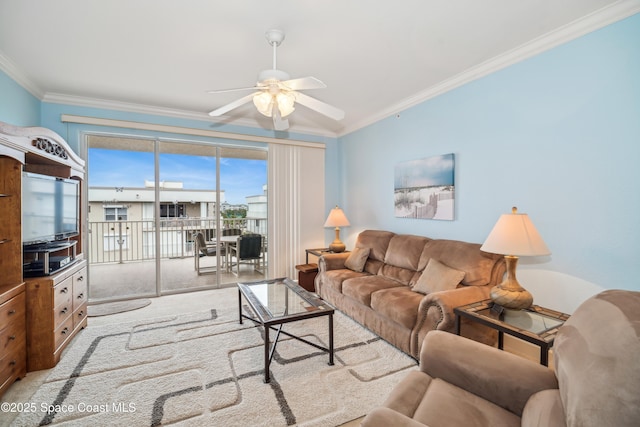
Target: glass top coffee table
{"points": [[280, 301], [537, 325]]}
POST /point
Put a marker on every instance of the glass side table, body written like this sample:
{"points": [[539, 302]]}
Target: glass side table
{"points": [[536, 325]]}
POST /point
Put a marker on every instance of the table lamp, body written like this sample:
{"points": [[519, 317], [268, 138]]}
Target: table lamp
{"points": [[514, 235], [337, 219]]}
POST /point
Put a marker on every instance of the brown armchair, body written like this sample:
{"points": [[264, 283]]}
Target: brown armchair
{"points": [[464, 383]]}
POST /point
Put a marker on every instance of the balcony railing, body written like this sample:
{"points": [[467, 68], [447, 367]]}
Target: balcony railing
{"points": [[125, 241]]}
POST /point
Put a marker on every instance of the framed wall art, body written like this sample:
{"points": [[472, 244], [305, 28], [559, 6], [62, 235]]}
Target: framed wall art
{"points": [[425, 188]]}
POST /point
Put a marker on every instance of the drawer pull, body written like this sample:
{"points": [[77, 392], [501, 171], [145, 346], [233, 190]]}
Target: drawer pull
{"points": [[12, 338], [81, 313], [13, 363], [64, 290], [64, 331], [64, 310], [81, 295], [12, 312], [80, 279]]}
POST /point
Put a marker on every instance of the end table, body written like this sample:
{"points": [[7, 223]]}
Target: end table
{"points": [[536, 325]]}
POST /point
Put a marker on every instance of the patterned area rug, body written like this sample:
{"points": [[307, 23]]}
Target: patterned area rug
{"points": [[206, 369], [116, 307]]}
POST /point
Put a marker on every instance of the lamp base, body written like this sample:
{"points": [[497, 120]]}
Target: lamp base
{"points": [[337, 246], [509, 293], [516, 300]]}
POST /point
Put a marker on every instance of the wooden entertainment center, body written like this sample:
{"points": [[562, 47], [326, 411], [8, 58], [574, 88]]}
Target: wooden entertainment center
{"points": [[39, 314]]}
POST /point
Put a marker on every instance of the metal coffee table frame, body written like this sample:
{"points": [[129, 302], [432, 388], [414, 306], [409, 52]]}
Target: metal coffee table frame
{"points": [[292, 292]]}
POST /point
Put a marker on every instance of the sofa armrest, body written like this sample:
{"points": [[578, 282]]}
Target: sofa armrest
{"points": [[385, 417], [332, 262], [435, 311], [495, 375]]}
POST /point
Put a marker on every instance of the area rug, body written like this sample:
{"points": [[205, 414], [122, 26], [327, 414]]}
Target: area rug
{"points": [[205, 368], [107, 308]]}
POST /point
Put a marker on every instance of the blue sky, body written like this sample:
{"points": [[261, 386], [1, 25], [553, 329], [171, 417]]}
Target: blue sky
{"points": [[437, 170], [239, 177]]}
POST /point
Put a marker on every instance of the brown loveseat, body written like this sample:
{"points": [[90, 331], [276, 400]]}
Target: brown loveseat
{"points": [[384, 295], [597, 381]]}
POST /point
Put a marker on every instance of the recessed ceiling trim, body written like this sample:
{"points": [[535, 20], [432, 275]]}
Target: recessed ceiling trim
{"points": [[589, 23]]}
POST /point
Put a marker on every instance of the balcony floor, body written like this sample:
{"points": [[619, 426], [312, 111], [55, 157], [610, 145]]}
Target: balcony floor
{"points": [[136, 279]]}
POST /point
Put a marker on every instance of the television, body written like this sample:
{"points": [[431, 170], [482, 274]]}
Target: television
{"points": [[50, 208]]}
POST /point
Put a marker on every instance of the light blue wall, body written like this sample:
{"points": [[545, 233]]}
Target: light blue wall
{"points": [[17, 106], [557, 135]]}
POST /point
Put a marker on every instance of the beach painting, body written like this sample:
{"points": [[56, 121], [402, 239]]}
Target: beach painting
{"points": [[425, 188]]}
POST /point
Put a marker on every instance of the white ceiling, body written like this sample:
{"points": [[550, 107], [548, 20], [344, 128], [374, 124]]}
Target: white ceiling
{"points": [[377, 57]]}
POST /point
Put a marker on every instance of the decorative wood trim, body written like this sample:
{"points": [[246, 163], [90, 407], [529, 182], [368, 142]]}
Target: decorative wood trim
{"points": [[41, 142]]}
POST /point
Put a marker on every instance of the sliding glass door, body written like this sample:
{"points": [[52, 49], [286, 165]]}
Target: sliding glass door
{"points": [[166, 216]]}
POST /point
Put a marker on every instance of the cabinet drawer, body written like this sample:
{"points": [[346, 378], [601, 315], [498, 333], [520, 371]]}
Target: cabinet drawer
{"points": [[12, 310], [79, 289], [13, 335], [63, 292], [61, 312], [63, 332], [13, 364], [79, 315]]}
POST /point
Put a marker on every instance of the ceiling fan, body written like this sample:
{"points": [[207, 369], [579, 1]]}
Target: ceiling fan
{"points": [[275, 94]]}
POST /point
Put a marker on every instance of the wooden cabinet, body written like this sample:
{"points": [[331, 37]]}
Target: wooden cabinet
{"points": [[39, 317], [12, 335], [56, 311]]}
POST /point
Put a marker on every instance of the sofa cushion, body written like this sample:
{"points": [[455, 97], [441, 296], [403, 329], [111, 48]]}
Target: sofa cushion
{"points": [[357, 259], [361, 288], [405, 251], [463, 256], [444, 404], [438, 277], [377, 241], [334, 278], [399, 304]]}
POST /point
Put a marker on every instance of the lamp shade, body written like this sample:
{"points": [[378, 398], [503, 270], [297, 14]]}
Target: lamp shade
{"points": [[515, 234], [264, 103], [336, 218]]}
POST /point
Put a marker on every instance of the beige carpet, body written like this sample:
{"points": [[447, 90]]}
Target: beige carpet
{"points": [[205, 368]]}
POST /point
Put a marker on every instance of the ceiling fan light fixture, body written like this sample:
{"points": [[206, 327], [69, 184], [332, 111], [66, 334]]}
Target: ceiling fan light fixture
{"points": [[285, 101], [264, 103]]}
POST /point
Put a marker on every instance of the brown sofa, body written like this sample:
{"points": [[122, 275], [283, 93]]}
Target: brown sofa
{"points": [[383, 296], [597, 381]]}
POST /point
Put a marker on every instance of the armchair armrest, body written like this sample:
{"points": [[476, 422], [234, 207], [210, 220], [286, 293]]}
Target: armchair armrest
{"points": [[495, 375], [435, 311], [332, 261], [385, 417]]}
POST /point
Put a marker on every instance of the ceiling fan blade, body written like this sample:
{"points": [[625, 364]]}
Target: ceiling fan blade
{"points": [[237, 89], [278, 122], [303, 83], [319, 106], [235, 104]]}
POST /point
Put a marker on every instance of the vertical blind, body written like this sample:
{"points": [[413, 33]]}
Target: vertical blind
{"points": [[296, 206]]}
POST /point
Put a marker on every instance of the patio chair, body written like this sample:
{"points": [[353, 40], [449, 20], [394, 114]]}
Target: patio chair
{"points": [[204, 249], [248, 249]]}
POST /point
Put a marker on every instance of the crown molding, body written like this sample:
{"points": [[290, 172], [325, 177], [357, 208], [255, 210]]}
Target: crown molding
{"points": [[584, 25], [19, 76]]}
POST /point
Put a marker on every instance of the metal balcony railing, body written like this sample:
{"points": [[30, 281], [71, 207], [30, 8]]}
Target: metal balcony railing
{"points": [[126, 241]]}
